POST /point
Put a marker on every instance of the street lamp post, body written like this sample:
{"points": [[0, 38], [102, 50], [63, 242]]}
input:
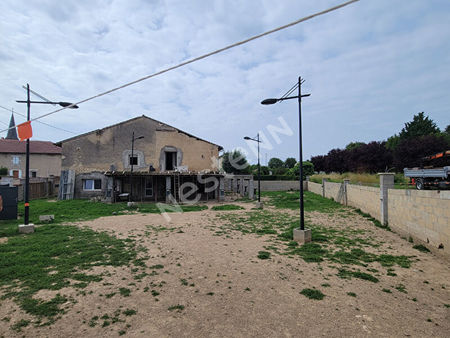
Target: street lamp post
{"points": [[132, 163], [27, 162], [259, 166], [299, 97]]}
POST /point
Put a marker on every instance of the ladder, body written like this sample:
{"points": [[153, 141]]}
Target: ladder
{"points": [[176, 187]]}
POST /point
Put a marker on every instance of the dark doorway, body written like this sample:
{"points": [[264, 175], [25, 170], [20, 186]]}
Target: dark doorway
{"points": [[171, 160]]}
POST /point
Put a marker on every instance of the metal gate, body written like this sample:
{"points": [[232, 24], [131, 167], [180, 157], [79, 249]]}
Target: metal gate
{"points": [[8, 202]]}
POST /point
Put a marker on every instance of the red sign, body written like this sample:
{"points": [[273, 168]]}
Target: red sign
{"points": [[24, 130]]}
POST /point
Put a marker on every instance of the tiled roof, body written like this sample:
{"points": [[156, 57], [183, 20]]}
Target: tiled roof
{"points": [[36, 147]]}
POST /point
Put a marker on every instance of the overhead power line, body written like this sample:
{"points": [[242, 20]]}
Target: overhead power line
{"points": [[306, 18], [49, 125]]}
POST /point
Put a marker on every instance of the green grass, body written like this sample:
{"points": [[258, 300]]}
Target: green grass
{"points": [[177, 307], [20, 324], [52, 256], [291, 200], [124, 292], [70, 211], [263, 255], [129, 312], [421, 248], [348, 274], [375, 222], [227, 207], [312, 294]]}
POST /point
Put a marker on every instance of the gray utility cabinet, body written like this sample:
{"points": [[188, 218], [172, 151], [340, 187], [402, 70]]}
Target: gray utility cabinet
{"points": [[8, 202]]}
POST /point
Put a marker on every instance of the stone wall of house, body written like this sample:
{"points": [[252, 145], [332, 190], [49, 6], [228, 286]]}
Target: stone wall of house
{"points": [[110, 148], [45, 165]]}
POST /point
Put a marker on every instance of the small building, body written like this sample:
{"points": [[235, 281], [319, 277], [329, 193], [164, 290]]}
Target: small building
{"points": [[45, 158], [163, 164]]}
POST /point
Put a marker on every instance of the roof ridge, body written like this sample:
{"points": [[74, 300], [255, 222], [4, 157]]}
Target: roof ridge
{"points": [[132, 119]]}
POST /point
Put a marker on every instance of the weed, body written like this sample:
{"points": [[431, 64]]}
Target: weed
{"points": [[226, 207], [210, 294], [157, 266], [263, 255], [155, 293], [401, 288], [421, 248], [129, 312], [312, 294], [386, 290], [125, 292], [325, 285], [177, 307], [184, 282], [351, 294], [357, 274], [20, 324]]}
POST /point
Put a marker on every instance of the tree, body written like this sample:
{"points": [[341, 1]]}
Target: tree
{"points": [[290, 162], [308, 169], [319, 163], [419, 126], [447, 129], [275, 163], [354, 145], [410, 152], [336, 161], [372, 157], [234, 162]]}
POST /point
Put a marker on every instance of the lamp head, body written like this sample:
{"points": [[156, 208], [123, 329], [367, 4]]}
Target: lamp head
{"points": [[67, 104], [269, 101], [247, 138]]}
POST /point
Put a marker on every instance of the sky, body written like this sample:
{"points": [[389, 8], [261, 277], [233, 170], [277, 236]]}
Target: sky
{"points": [[369, 67]]}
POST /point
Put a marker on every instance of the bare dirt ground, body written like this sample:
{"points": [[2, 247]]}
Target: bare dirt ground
{"points": [[220, 288]]}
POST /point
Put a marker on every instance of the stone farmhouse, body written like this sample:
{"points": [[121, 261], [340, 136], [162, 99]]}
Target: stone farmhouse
{"points": [[165, 164], [45, 158]]}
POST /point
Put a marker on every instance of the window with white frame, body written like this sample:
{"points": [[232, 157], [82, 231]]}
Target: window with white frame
{"points": [[91, 185], [16, 160]]}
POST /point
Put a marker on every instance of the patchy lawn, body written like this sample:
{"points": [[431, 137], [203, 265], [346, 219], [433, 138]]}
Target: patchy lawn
{"points": [[225, 271]]}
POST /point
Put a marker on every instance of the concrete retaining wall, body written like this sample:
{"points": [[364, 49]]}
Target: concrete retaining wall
{"points": [[315, 188], [281, 185], [423, 215], [334, 191], [365, 198]]}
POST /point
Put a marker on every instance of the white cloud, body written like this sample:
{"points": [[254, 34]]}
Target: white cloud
{"points": [[369, 66]]}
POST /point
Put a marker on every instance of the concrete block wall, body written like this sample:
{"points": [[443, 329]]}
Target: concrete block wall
{"points": [[334, 191], [365, 198], [315, 187], [423, 215], [281, 185]]}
